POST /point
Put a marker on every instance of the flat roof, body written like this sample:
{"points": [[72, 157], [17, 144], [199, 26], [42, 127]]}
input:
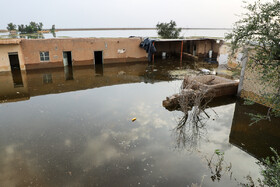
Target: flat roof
{"points": [[10, 41], [180, 40]]}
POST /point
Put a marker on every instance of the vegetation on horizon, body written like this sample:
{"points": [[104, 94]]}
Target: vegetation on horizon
{"points": [[32, 28], [168, 30]]}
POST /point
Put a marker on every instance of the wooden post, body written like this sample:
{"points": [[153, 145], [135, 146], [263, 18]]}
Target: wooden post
{"points": [[153, 54], [181, 57]]}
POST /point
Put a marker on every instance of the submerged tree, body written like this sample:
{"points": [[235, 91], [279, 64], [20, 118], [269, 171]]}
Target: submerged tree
{"points": [[168, 30], [259, 32]]}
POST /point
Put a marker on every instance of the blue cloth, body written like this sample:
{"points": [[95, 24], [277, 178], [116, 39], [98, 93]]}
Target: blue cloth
{"points": [[147, 44]]}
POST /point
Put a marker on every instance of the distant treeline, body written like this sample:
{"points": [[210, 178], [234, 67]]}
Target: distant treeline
{"points": [[33, 27]]}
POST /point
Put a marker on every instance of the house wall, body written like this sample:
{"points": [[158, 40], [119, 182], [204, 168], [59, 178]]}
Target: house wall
{"points": [[115, 50], [4, 56], [254, 87], [226, 56]]}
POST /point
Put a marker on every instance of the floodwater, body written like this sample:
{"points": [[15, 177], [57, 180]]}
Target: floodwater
{"points": [[73, 127]]}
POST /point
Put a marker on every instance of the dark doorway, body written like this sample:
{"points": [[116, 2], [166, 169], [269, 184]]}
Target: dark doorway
{"points": [[67, 58], [194, 50], [15, 69], [98, 57], [14, 61]]}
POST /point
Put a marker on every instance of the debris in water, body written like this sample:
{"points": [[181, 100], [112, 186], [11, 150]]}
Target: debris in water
{"points": [[121, 73], [133, 119], [205, 71]]}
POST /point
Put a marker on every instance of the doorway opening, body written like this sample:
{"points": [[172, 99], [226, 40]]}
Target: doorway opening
{"points": [[98, 57], [67, 58], [14, 61], [194, 50], [15, 69]]}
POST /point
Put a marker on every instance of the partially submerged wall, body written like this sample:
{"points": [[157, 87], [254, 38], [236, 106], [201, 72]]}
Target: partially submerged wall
{"points": [[227, 58], [6, 47], [82, 49], [254, 88]]}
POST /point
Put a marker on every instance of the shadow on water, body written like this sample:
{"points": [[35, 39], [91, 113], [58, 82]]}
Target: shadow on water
{"points": [[254, 139]]}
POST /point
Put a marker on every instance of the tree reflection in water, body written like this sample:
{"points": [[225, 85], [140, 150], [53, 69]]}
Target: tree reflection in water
{"points": [[191, 126], [189, 132]]}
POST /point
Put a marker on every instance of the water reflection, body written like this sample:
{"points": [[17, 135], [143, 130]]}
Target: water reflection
{"points": [[56, 80], [17, 78], [257, 138], [188, 135], [192, 127], [98, 69], [14, 86], [79, 132], [68, 71]]}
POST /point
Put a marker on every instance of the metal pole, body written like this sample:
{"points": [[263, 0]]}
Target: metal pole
{"points": [[244, 61], [181, 57], [153, 54]]}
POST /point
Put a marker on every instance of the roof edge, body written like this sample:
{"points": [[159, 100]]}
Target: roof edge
{"points": [[10, 41]]}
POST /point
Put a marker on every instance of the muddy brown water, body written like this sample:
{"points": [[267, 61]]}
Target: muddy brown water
{"points": [[73, 127]]}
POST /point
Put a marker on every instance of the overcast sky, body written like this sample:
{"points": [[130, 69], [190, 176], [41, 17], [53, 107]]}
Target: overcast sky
{"points": [[121, 13]]}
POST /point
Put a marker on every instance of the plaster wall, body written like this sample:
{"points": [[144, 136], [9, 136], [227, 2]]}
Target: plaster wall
{"points": [[114, 50], [254, 87], [226, 56], [4, 56]]}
